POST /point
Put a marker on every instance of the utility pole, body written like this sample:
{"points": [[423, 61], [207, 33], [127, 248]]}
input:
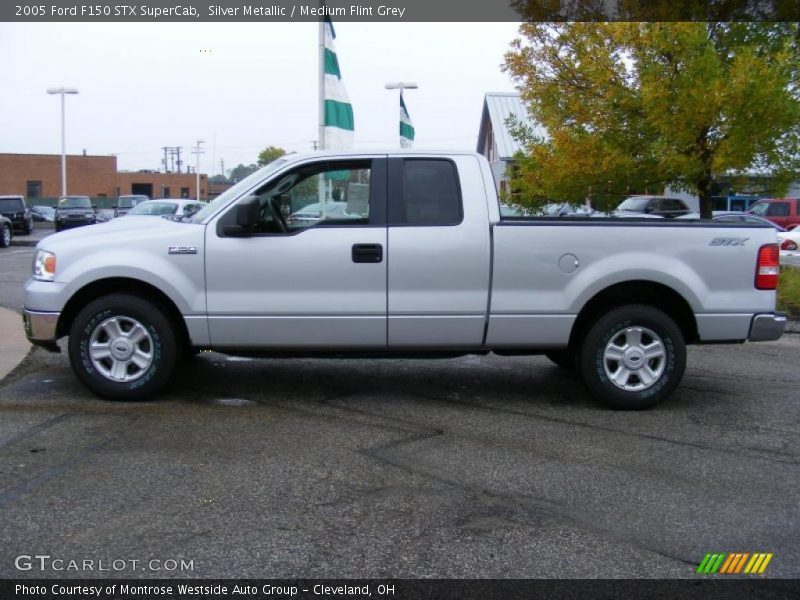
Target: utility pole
{"points": [[166, 163], [197, 152], [222, 167], [315, 144], [178, 152]]}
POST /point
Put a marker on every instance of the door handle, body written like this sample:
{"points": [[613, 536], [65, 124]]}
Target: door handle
{"points": [[367, 253]]}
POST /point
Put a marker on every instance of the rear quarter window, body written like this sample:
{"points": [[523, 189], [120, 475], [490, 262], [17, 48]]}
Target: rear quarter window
{"points": [[431, 193], [778, 209]]}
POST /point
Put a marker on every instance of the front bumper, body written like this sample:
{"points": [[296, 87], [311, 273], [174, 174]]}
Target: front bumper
{"points": [[767, 327], [40, 328]]}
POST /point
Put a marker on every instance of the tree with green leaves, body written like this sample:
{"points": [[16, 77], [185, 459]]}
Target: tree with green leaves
{"points": [[241, 171], [633, 107], [270, 153]]}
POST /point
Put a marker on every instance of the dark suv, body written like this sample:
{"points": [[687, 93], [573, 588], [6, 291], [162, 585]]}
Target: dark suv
{"points": [[657, 206], [74, 211], [14, 209]]}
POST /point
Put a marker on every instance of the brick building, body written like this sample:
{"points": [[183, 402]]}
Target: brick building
{"points": [[39, 176]]}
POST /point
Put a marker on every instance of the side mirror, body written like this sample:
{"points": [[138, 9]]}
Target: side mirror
{"points": [[114, 207], [94, 206], [248, 212]]}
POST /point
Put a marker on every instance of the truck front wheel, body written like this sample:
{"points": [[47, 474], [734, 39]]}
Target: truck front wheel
{"points": [[633, 357], [122, 347]]}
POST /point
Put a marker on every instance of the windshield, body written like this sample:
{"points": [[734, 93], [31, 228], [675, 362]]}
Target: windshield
{"points": [[637, 204], [127, 201], [759, 209], [154, 207], [76, 202], [228, 195], [10, 204]]}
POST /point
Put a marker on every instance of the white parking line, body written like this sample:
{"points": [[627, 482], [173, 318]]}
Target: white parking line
{"points": [[19, 251]]}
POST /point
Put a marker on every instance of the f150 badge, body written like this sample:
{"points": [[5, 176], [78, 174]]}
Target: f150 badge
{"points": [[183, 249], [734, 241]]}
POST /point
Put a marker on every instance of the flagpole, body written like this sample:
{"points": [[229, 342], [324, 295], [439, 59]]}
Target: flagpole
{"points": [[321, 82]]}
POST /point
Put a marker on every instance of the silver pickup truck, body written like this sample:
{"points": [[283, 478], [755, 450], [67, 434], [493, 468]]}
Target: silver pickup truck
{"points": [[398, 254]]}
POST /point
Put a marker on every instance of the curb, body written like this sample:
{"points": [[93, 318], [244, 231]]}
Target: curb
{"points": [[15, 346]]}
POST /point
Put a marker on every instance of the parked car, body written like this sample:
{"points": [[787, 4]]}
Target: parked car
{"points": [[15, 210], [104, 215], [74, 211], [126, 202], [433, 270], [654, 206], [313, 213], [781, 211], [177, 207], [6, 232], [555, 209], [789, 240], [43, 214]]}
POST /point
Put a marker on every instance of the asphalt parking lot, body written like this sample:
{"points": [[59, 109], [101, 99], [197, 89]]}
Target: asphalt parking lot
{"points": [[468, 467]]}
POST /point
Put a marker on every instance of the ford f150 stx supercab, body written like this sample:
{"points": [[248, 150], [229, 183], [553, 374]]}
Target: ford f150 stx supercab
{"points": [[409, 256]]}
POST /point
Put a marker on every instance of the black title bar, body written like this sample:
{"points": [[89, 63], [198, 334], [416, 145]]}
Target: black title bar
{"points": [[393, 11]]}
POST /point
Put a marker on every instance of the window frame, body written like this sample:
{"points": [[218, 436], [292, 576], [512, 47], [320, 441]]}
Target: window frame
{"points": [[397, 199], [377, 196]]}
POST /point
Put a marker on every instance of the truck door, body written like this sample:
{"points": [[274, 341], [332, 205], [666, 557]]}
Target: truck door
{"points": [[439, 252], [312, 273]]}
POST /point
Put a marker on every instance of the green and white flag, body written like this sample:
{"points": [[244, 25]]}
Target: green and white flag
{"points": [[338, 112], [406, 127]]}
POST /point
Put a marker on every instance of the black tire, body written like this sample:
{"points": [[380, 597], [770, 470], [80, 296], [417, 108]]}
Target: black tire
{"points": [[161, 346], [563, 358], [653, 326], [29, 227], [5, 235]]}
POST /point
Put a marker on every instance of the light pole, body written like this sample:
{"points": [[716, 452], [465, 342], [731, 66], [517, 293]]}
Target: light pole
{"points": [[197, 152], [403, 85], [63, 91]]}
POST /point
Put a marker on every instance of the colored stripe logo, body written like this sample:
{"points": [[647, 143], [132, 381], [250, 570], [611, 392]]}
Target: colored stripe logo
{"points": [[734, 562]]}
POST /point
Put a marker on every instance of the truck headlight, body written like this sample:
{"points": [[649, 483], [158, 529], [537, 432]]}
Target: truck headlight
{"points": [[44, 266]]}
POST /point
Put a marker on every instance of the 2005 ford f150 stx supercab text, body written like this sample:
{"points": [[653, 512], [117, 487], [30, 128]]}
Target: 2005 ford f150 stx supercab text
{"points": [[398, 254]]}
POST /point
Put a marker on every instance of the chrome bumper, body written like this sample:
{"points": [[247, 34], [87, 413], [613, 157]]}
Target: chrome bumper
{"points": [[40, 327], [767, 327]]}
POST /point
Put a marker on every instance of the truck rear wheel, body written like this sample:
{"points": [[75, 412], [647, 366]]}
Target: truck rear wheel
{"points": [[122, 347], [633, 357]]}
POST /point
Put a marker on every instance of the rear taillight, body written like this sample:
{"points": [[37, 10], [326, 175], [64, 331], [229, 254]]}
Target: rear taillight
{"points": [[788, 245], [767, 267]]}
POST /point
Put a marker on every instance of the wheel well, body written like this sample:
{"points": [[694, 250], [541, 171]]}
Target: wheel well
{"points": [[653, 294], [116, 285]]}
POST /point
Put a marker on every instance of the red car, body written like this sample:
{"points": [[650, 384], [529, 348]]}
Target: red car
{"points": [[781, 211]]}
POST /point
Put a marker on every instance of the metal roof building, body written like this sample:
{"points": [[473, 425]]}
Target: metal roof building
{"points": [[495, 141]]}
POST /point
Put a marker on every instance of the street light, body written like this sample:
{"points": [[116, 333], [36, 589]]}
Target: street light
{"points": [[402, 85], [62, 91]]}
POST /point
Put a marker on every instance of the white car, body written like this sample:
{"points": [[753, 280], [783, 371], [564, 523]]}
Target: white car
{"points": [[790, 240], [166, 207]]}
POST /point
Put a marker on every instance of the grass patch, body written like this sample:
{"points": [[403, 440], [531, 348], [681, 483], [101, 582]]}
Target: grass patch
{"points": [[789, 291]]}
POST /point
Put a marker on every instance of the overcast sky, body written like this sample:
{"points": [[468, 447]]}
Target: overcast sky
{"points": [[144, 86]]}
